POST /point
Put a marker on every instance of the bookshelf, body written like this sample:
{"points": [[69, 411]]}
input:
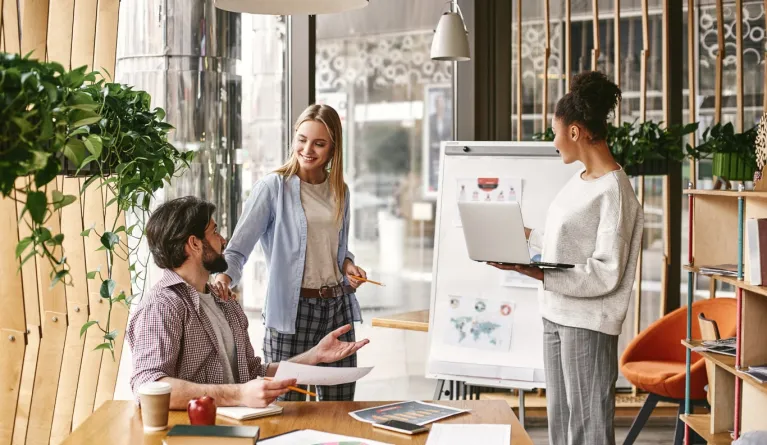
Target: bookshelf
{"points": [[717, 236]]}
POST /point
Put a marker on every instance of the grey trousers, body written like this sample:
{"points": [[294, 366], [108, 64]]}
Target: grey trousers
{"points": [[581, 371]]}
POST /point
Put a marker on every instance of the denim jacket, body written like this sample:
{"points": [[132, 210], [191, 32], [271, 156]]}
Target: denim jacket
{"points": [[275, 216]]}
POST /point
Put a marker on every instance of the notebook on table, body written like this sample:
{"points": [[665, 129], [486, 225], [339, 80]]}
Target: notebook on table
{"points": [[245, 413], [212, 435]]}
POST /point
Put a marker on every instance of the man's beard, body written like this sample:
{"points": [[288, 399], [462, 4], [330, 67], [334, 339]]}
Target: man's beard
{"points": [[213, 262]]}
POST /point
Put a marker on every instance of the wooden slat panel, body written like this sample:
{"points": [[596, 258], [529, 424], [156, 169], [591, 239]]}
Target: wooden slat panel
{"points": [[753, 319], [34, 28], [546, 55], [691, 67], [84, 33], [519, 70], [60, 31], [11, 291], [719, 61], [53, 299], [753, 404], [47, 378], [93, 208], [714, 216], [722, 390], [617, 56], [739, 65], [91, 364], [568, 45], [29, 270], [595, 28], [106, 37], [11, 39], [72, 227], [119, 319], [12, 351], [27, 384], [70, 374]]}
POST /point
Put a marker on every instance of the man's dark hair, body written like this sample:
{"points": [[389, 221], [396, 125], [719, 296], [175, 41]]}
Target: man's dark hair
{"points": [[171, 225]]}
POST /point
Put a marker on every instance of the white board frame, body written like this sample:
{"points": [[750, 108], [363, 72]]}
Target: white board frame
{"points": [[544, 150]]}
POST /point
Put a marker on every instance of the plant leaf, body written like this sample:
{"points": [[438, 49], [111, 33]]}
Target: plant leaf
{"points": [[86, 326], [75, 151], [37, 204], [92, 274], [112, 335], [59, 277], [107, 288], [61, 200], [22, 246], [109, 240], [83, 117], [103, 346], [94, 145]]}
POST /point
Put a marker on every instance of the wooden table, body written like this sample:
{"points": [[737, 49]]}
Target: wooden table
{"points": [[410, 321], [119, 422]]}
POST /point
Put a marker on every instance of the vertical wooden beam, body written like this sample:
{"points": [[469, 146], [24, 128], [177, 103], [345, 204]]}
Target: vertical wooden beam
{"points": [[106, 38], [546, 54], [60, 31], [665, 196], [77, 311], [595, 51], [644, 54], [764, 88], [119, 319], [29, 370], [739, 64], [691, 106], [47, 378], [53, 298], [34, 28], [568, 45], [719, 61], [519, 70], [93, 213], [617, 55], [11, 36], [84, 33], [29, 270]]}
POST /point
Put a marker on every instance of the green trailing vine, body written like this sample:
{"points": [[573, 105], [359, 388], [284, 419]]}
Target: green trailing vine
{"points": [[54, 122]]}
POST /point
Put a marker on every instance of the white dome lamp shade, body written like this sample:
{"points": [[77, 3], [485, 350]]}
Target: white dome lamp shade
{"points": [[289, 7], [451, 38]]}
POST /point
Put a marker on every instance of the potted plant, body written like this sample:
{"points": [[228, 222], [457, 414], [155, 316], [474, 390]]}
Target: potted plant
{"points": [[51, 118], [734, 154]]}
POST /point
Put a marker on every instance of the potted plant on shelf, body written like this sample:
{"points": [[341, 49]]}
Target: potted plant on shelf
{"points": [[734, 154], [55, 122]]}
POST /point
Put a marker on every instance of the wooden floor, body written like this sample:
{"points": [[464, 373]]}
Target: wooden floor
{"points": [[650, 435]]}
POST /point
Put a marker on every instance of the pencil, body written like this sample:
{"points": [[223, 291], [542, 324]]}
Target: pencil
{"points": [[366, 280], [293, 388]]}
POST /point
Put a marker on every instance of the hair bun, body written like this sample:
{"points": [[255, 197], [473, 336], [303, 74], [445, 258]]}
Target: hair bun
{"points": [[595, 94]]}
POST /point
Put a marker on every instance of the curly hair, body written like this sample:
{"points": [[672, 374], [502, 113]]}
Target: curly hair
{"points": [[591, 100]]}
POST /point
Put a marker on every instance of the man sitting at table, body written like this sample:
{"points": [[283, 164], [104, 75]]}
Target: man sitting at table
{"points": [[182, 333]]}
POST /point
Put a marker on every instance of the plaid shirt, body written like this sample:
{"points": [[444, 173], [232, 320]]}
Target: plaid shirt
{"points": [[170, 336]]}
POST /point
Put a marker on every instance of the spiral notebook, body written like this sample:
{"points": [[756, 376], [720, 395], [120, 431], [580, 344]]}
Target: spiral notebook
{"points": [[245, 413]]}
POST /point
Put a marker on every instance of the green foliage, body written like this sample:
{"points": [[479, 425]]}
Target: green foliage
{"points": [[54, 121], [722, 138]]}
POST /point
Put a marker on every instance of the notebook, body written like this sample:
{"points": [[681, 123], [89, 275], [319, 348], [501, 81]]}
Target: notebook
{"points": [[212, 435], [245, 413]]}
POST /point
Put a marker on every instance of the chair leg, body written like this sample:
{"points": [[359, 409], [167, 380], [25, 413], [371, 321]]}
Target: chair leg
{"points": [[641, 419]]}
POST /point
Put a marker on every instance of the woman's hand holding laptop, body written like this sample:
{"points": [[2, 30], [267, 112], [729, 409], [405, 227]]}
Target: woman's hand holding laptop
{"points": [[530, 271]]}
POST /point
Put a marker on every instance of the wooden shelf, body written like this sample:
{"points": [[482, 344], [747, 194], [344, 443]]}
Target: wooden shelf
{"points": [[727, 193], [761, 290], [701, 424], [727, 363]]}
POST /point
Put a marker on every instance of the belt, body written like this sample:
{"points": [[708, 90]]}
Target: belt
{"points": [[327, 291]]}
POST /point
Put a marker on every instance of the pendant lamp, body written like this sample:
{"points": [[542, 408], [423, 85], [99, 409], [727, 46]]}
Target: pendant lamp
{"points": [[289, 7], [451, 38]]}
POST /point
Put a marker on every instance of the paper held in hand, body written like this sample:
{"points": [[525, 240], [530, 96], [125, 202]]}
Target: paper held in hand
{"points": [[318, 375]]}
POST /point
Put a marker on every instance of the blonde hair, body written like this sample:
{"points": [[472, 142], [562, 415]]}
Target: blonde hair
{"points": [[335, 167]]}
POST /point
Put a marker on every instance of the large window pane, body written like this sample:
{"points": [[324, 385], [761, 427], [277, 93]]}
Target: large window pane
{"points": [[373, 66]]}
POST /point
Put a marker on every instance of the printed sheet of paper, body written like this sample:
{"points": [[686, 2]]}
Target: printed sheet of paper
{"points": [[319, 375], [419, 413], [488, 190], [313, 437], [457, 434], [479, 323]]}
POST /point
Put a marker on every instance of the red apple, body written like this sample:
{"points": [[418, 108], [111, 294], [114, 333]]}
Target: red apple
{"points": [[202, 411]]}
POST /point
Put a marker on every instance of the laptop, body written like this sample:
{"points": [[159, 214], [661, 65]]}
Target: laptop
{"points": [[494, 233]]}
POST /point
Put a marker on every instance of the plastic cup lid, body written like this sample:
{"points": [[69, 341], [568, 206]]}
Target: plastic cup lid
{"points": [[154, 388]]}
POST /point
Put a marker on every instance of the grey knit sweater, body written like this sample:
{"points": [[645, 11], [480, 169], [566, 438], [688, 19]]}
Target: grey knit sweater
{"points": [[597, 226]]}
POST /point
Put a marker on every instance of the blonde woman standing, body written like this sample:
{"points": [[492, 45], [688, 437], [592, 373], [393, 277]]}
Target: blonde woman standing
{"points": [[300, 214]]}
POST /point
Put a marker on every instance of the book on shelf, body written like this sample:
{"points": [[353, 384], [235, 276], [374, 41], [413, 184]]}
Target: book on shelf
{"points": [[758, 373], [212, 435], [724, 346], [729, 270], [730, 341], [756, 233]]}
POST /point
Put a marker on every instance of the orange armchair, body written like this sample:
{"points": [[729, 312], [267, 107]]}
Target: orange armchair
{"points": [[655, 360]]}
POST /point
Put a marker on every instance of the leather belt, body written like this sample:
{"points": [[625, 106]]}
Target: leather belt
{"points": [[326, 292]]}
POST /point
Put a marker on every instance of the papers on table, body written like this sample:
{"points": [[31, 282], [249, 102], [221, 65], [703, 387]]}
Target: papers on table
{"points": [[245, 413], [318, 375], [457, 434], [419, 413], [312, 437]]}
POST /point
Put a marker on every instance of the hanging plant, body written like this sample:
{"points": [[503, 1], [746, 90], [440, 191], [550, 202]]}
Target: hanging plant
{"points": [[55, 121]]}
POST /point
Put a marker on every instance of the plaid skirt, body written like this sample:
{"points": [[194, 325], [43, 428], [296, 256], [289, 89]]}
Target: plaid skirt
{"points": [[316, 318]]}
